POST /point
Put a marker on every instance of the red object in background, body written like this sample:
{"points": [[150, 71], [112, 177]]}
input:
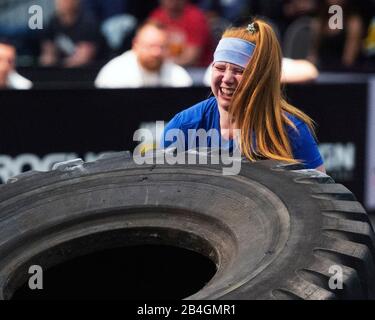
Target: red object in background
{"points": [[191, 28]]}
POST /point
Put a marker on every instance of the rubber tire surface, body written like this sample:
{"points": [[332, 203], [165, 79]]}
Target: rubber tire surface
{"points": [[274, 231]]}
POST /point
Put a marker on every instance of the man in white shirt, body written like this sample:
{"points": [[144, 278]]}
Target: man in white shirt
{"points": [[9, 78], [145, 65]]}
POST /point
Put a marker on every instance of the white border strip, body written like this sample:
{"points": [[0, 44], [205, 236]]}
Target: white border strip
{"points": [[370, 149]]}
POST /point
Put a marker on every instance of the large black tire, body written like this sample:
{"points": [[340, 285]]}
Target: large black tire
{"points": [[274, 231]]}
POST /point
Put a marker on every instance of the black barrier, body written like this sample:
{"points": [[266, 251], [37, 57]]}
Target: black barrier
{"points": [[42, 126], [340, 113]]}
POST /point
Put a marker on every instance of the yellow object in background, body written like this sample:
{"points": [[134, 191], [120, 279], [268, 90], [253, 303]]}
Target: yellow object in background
{"points": [[370, 39], [148, 147]]}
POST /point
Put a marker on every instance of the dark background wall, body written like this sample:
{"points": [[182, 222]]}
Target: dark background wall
{"points": [[41, 122]]}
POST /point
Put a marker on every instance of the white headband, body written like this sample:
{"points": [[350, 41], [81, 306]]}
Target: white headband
{"points": [[234, 50]]}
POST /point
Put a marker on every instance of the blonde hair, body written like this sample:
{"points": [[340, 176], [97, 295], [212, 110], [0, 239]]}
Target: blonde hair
{"points": [[258, 107]]}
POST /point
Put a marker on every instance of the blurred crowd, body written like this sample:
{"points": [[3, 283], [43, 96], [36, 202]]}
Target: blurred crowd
{"points": [[155, 40]]}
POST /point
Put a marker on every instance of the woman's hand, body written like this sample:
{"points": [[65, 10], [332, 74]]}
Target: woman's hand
{"points": [[321, 168]]}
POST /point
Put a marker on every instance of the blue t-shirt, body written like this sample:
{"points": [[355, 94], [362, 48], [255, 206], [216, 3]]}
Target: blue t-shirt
{"points": [[205, 115]]}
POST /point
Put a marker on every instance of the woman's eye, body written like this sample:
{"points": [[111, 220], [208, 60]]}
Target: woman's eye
{"points": [[220, 68]]}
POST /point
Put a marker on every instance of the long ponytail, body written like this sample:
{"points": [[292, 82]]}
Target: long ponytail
{"points": [[258, 108]]}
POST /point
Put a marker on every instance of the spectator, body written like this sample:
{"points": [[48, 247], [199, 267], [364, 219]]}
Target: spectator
{"points": [[293, 9], [141, 10], [72, 38], [14, 24], [337, 48], [190, 38], [234, 11], [103, 10], [9, 78], [145, 64], [282, 13], [214, 14], [117, 25]]}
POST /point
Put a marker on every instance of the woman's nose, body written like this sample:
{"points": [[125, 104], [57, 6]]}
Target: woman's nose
{"points": [[228, 76]]}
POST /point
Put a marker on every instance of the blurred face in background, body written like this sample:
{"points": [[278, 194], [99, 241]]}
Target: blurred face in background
{"points": [[67, 7], [7, 62], [150, 46], [173, 7]]}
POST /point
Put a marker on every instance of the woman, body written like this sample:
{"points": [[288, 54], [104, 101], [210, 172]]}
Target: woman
{"points": [[247, 96]]}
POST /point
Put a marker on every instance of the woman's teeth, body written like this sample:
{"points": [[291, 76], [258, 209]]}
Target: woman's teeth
{"points": [[227, 92]]}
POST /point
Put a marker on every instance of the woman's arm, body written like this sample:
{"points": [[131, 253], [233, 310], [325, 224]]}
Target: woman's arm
{"points": [[315, 42], [48, 56], [353, 41], [298, 71]]}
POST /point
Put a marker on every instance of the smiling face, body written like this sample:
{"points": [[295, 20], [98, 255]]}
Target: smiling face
{"points": [[225, 79]]}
